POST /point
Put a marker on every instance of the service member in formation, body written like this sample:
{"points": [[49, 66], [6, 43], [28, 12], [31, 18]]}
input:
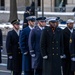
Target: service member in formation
{"points": [[34, 46], [24, 46], [52, 48], [1, 44], [13, 50], [66, 37], [69, 33]]}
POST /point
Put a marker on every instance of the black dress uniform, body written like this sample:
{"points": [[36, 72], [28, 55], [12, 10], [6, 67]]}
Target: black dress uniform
{"points": [[72, 50], [52, 47], [13, 51], [0, 44], [67, 61]]}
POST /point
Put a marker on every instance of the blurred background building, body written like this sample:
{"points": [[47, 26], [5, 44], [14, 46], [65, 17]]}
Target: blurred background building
{"points": [[49, 5]]}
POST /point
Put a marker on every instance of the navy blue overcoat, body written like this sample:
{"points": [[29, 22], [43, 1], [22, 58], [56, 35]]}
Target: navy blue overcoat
{"points": [[24, 48], [34, 47]]}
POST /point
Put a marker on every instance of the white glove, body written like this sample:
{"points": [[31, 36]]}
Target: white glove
{"points": [[33, 55], [45, 57], [73, 59], [10, 57], [63, 56], [25, 53], [1, 50]]}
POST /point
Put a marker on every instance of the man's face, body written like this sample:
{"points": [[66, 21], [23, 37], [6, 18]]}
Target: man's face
{"points": [[31, 23], [53, 24], [16, 26], [42, 23], [70, 25]]}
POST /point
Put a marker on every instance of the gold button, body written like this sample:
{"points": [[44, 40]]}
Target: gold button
{"points": [[52, 42], [53, 54], [56, 54], [53, 48]]}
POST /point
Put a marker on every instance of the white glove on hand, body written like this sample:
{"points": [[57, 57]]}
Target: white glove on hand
{"points": [[63, 56], [1, 50], [33, 55], [25, 53], [73, 59], [10, 57], [45, 57]]}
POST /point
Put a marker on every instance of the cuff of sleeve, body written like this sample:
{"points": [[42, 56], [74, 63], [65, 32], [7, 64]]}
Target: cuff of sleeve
{"points": [[72, 55], [9, 54], [31, 51]]}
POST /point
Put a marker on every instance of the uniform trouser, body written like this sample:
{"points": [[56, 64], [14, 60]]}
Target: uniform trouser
{"points": [[16, 73], [67, 67], [28, 72], [37, 71]]}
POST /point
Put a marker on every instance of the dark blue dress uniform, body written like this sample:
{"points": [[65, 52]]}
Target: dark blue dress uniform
{"points": [[1, 44], [34, 44], [52, 46], [34, 47], [14, 54], [25, 50]]}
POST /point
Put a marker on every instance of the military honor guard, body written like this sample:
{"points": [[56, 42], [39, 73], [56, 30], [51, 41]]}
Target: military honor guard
{"points": [[34, 46], [24, 46], [52, 48], [67, 32], [13, 50], [1, 44]]}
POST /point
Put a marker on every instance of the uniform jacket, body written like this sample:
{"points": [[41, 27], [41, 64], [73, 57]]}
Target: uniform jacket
{"points": [[25, 48], [67, 60], [34, 47], [72, 50], [13, 49], [66, 38], [52, 46]]}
